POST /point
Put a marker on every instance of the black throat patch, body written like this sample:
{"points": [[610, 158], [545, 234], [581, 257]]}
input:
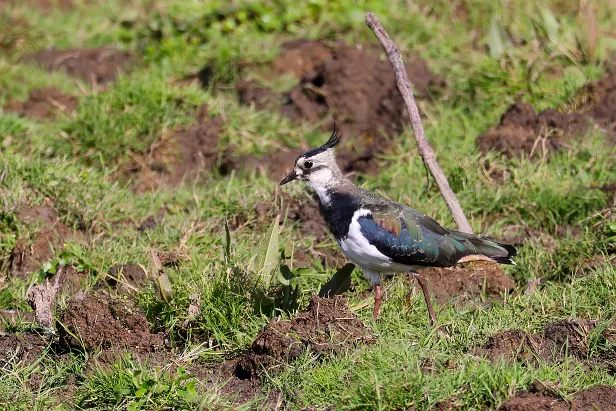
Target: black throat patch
{"points": [[339, 212]]}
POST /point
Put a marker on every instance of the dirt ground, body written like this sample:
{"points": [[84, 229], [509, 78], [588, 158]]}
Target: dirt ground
{"points": [[93, 321], [29, 254], [522, 131], [183, 154], [326, 327], [95, 66], [467, 281], [550, 345], [350, 85], [600, 99], [24, 348], [42, 103], [539, 397]]}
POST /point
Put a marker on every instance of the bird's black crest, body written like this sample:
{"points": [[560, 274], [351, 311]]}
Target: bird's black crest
{"points": [[333, 141]]}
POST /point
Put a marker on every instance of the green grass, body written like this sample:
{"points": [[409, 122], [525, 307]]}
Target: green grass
{"points": [[71, 163]]}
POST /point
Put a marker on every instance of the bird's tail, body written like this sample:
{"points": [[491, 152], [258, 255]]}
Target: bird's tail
{"points": [[486, 248]]}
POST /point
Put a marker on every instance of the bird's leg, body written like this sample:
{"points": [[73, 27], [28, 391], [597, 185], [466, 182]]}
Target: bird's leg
{"points": [[378, 297], [409, 294], [424, 289]]}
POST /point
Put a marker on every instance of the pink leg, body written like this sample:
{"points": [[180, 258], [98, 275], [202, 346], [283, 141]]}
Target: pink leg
{"points": [[378, 297]]}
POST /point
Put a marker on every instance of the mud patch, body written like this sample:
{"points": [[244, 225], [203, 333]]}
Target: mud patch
{"points": [[539, 397], [302, 57], [326, 327], [600, 102], [522, 131], [46, 102], [20, 348], [183, 154], [233, 389], [28, 255], [95, 321], [551, 345], [95, 66], [468, 281], [354, 85], [601, 397]]}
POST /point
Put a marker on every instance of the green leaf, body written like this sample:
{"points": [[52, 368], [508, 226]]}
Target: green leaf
{"points": [[157, 272], [339, 283], [267, 258], [498, 40]]}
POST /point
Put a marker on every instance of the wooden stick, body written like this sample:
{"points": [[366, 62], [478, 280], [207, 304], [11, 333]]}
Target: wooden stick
{"points": [[404, 85]]}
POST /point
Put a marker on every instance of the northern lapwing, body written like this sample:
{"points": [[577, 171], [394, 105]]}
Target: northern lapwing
{"points": [[382, 236]]}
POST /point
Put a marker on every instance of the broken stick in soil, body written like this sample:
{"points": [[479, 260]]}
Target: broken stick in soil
{"points": [[404, 85], [41, 298]]}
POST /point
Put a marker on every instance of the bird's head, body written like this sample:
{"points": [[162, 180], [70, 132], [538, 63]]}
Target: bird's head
{"points": [[318, 166]]}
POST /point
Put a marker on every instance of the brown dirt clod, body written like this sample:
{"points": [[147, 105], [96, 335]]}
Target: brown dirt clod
{"points": [[601, 397], [302, 57], [24, 348], [551, 345], [354, 85], [92, 321], [28, 256], [602, 98], [522, 131], [44, 103], [96, 66], [184, 154], [467, 281], [538, 398], [326, 327]]}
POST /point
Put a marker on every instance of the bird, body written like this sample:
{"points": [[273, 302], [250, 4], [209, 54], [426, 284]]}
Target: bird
{"points": [[383, 237]]}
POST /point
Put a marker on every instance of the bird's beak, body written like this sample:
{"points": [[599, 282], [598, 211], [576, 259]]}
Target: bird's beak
{"points": [[289, 178]]}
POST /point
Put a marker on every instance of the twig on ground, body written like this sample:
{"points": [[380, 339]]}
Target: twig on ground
{"points": [[404, 85]]}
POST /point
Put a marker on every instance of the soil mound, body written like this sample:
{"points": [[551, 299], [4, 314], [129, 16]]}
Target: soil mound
{"points": [[302, 57], [182, 154], [93, 321], [24, 348], [468, 281], [28, 255], [522, 131], [326, 327], [551, 345], [538, 397], [602, 107], [356, 86], [95, 66], [44, 103]]}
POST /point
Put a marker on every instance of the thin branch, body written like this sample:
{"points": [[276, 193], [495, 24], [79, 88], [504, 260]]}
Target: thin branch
{"points": [[404, 85]]}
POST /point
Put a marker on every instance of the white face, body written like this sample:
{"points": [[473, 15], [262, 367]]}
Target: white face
{"points": [[315, 170]]}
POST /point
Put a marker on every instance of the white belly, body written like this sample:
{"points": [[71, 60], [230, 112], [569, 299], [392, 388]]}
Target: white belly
{"points": [[360, 252]]}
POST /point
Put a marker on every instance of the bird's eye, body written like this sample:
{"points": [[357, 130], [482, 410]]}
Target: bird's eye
{"points": [[308, 164]]}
